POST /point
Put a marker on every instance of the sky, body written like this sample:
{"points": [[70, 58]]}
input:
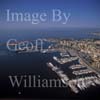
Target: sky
{"points": [[84, 13]]}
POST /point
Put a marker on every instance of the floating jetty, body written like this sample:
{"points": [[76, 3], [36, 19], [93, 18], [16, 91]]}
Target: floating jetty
{"points": [[65, 60], [78, 66], [64, 78], [80, 72]]}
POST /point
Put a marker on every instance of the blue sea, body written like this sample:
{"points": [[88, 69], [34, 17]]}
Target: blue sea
{"points": [[75, 33]]}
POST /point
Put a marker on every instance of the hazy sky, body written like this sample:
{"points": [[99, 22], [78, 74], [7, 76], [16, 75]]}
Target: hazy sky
{"points": [[84, 13]]}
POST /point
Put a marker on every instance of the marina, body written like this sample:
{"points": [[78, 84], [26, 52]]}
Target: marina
{"points": [[67, 65], [84, 78], [76, 84], [49, 49]]}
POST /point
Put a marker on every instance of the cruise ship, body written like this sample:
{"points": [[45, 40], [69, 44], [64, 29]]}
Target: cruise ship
{"points": [[44, 51], [52, 66], [64, 54]]}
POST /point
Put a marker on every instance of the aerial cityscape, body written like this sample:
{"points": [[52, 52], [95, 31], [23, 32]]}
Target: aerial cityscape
{"points": [[83, 56], [49, 49]]}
